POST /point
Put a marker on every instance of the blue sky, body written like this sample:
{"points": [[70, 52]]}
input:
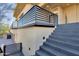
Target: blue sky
{"points": [[6, 13]]}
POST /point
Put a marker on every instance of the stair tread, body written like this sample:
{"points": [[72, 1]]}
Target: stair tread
{"points": [[52, 51], [64, 42], [64, 48], [42, 53], [67, 34], [60, 36], [70, 37], [77, 23], [65, 39]]}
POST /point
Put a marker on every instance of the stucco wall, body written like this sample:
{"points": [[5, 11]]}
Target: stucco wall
{"points": [[32, 37], [71, 14], [14, 31], [61, 15]]}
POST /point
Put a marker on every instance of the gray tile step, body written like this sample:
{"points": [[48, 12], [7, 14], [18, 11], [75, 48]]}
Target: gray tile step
{"points": [[66, 39], [61, 30], [51, 51], [62, 49], [66, 33], [68, 25], [67, 29], [65, 44], [41, 53], [74, 36], [77, 23]]}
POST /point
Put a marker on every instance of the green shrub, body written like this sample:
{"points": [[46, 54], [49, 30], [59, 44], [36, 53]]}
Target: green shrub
{"points": [[4, 28]]}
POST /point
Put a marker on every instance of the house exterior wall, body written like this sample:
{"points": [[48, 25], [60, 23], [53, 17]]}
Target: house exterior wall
{"points": [[77, 7], [68, 14], [31, 37], [61, 15]]}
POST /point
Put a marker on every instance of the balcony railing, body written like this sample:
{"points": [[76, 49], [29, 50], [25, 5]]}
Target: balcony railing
{"points": [[12, 49], [39, 16]]}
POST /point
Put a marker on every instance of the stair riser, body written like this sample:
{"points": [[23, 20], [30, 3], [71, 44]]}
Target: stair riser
{"points": [[69, 25], [65, 39], [67, 29], [66, 35], [60, 41], [74, 27], [47, 51], [77, 23], [67, 32], [62, 44], [75, 39], [37, 54], [61, 50]]}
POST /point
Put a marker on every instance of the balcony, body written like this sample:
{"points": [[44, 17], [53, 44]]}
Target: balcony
{"points": [[37, 16]]}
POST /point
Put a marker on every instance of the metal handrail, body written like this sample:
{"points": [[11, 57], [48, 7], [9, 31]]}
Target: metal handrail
{"points": [[36, 13], [7, 48]]}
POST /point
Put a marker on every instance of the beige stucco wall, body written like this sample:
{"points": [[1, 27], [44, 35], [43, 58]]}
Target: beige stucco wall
{"points": [[14, 31], [69, 14], [72, 14], [77, 12], [32, 37], [61, 15]]}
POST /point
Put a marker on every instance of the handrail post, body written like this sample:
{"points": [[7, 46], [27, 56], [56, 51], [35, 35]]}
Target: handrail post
{"points": [[4, 50], [20, 47]]}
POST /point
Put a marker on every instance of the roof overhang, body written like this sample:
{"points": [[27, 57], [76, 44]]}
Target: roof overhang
{"points": [[48, 6], [18, 9]]}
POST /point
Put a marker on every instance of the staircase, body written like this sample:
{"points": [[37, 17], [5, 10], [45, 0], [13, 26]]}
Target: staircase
{"points": [[64, 41]]}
